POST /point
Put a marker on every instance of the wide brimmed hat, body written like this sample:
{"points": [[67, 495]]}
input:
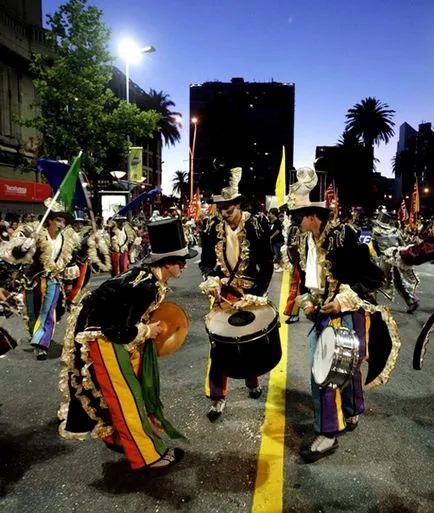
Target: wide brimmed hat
{"points": [[230, 193], [58, 210], [166, 238], [299, 192]]}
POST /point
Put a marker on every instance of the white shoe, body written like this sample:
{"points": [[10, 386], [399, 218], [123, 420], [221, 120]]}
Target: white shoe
{"points": [[216, 409]]}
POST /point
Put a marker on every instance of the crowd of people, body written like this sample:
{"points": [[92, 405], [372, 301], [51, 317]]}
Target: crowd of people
{"points": [[110, 381]]}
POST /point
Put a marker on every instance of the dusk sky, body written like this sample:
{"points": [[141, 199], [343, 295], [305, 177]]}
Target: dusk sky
{"points": [[337, 52]]}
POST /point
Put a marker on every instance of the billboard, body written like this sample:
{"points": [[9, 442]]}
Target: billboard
{"points": [[111, 203]]}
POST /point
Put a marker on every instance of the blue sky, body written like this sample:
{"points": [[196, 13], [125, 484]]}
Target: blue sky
{"points": [[337, 52]]}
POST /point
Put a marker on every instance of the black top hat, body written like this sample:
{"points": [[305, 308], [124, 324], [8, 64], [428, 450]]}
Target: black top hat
{"points": [[167, 239]]}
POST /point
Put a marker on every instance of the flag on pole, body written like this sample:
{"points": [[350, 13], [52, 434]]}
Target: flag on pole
{"points": [[415, 203], [193, 209], [280, 189], [55, 171], [329, 195], [138, 199], [403, 212], [69, 184]]}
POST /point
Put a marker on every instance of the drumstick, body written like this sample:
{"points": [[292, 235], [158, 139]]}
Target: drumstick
{"points": [[227, 301]]}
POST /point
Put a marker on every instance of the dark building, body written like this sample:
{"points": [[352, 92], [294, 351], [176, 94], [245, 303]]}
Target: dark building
{"points": [[348, 167], [242, 124], [415, 157], [21, 34]]}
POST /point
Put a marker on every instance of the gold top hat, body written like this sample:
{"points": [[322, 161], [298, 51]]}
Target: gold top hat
{"points": [[299, 192], [230, 193]]}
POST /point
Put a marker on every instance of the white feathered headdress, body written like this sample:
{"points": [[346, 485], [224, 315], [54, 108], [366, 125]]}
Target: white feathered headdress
{"points": [[231, 192]]}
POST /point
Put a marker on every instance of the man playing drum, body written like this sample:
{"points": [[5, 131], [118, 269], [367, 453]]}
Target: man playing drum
{"points": [[111, 380], [338, 285], [236, 259]]}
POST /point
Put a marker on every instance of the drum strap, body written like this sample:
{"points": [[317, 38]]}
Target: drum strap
{"points": [[233, 272], [319, 317]]}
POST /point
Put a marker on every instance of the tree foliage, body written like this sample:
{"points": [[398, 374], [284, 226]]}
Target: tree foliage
{"points": [[75, 109], [371, 121]]}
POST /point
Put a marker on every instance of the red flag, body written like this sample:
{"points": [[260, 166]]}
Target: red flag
{"points": [[402, 212], [194, 207], [329, 195]]}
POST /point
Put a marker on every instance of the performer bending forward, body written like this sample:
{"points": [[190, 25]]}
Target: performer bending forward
{"points": [[236, 259], [111, 380]]}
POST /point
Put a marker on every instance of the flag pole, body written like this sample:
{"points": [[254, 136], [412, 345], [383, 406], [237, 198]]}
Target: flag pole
{"points": [[50, 206], [88, 202], [44, 218]]}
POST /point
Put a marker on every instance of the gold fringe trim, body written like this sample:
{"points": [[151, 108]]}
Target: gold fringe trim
{"points": [[239, 281], [51, 266], [98, 244], [159, 297], [69, 371]]}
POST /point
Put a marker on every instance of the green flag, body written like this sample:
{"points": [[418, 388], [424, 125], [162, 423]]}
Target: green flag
{"points": [[69, 184]]}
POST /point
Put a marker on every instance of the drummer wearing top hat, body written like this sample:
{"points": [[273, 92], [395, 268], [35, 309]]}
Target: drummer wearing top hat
{"points": [[338, 288], [236, 259], [111, 380]]}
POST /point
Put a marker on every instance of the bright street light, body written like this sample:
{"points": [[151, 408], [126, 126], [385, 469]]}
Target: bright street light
{"points": [[131, 53], [118, 174]]}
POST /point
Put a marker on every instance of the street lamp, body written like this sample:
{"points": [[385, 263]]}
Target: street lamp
{"points": [[118, 174], [192, 150], [131, 53]]}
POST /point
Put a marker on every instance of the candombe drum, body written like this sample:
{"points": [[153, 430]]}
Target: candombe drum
{"points": [[335, 357], [174, 328], [245, 342]]}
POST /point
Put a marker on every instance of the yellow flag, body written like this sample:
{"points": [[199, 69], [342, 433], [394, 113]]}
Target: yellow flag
{"points": [[280, 189]]}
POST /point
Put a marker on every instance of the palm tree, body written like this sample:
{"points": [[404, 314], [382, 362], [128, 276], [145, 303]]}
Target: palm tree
{"points": [[180, 185], [371, 122], [167, 126]]}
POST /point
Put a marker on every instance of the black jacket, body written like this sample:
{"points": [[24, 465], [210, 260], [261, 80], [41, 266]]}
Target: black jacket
{"points": [[118, 305], [259, 270]]}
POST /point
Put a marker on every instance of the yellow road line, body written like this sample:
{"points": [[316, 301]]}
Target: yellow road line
{"points": [[268, 494]]}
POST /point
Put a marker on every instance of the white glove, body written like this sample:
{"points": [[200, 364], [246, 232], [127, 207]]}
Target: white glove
{"points": [[211, 286], [28, 244], [249, 300]]}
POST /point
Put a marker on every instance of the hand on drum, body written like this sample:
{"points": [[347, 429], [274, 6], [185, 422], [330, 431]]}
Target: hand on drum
{"points": [[331, 307], [309, 311], [155, 329]]}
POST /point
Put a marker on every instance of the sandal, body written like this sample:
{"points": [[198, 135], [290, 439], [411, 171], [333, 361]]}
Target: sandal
{"points": [[169, 458], [351, 423]]}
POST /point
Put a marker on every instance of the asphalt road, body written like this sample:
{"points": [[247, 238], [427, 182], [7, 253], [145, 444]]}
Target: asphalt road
{"points": [[239, 464]]}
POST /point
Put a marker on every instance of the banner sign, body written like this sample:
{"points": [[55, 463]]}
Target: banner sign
{"points": [[135, 162], [25, 192]]}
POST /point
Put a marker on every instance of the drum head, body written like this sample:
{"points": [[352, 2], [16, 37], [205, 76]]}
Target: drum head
{"points": [[323, 355], [236, 324]]}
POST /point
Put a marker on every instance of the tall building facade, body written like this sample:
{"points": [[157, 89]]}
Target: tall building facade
{"points": [[152, 151], [21, 34], [415, 157], [243, 124]]}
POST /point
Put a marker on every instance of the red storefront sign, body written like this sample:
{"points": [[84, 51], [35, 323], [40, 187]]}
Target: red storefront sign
{"points": [[24, 192]]}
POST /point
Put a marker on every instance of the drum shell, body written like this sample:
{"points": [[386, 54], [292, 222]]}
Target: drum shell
{"points": [[247, 356], [344, 361]]}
